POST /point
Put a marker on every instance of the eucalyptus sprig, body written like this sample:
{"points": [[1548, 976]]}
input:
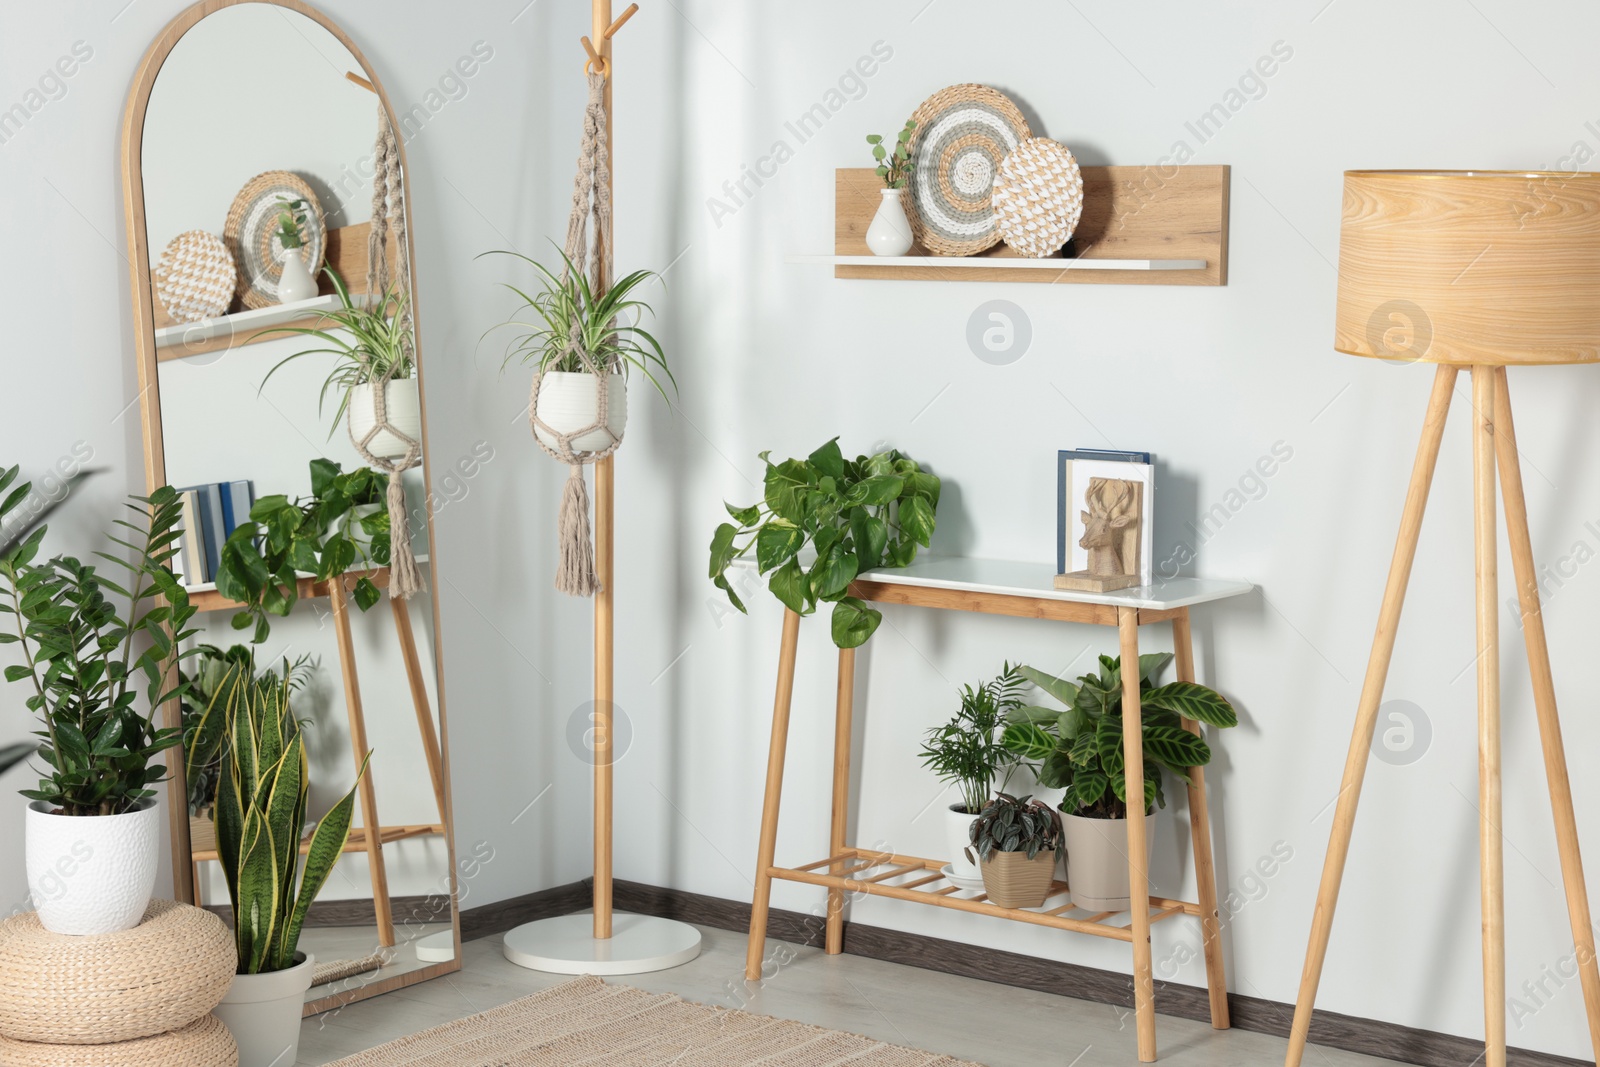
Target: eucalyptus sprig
{"points": [[895, 164], [291, 222]]}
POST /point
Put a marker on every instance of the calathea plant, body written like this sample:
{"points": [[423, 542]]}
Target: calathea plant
{"points": [[1079, 749], [86, 658], [872, 511]]}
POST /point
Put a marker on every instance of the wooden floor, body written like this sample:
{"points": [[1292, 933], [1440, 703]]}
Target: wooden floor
{"points": [[996, 1025]]}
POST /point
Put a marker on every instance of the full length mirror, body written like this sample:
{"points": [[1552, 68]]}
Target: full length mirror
{"points": [[273, 311]]}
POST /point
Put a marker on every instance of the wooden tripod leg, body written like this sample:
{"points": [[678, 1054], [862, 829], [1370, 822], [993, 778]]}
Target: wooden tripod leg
{"points": [[1205, 872], [769, 806], [366, 791], [1544, 702], [842, 728], [1144, 1002], [1355, 765], [419, 700], [1491, 846]]}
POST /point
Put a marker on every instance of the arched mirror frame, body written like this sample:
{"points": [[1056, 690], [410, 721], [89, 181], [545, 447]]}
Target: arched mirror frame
{"points": [[133, 124]]}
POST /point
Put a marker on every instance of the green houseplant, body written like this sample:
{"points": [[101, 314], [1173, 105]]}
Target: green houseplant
{"points": [[1079, 749], [894, 163], [341, 524], [1016, 842], [261, 814], [872, 511], [295, 282], [205, 738], [89, 645], [967, 752]]}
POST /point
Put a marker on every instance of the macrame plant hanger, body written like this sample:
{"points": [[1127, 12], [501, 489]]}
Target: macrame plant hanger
{"points": [[388, 209], [591, 199], [605, 942]]}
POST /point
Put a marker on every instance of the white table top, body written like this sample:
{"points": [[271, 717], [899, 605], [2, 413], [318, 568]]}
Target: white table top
{"points": [[1037, 580]]}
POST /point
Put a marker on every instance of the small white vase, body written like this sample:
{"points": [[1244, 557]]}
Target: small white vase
{"points": [[958, 839], [569, 401], [890, 232], [295, 283], [263, 1011], [91, 874], [403, 409]]}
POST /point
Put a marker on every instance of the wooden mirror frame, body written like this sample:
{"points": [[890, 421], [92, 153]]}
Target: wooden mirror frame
{"points": [[155, 466]]}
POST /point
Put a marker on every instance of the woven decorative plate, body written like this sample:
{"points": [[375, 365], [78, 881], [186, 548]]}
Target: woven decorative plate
{"points": [[203, 1043], [1038, 197], [251, 234], [195, 277], [962, 134]]}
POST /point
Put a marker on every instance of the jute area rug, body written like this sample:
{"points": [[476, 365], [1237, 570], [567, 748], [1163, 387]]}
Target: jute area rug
{"points": [[588, 1022]]}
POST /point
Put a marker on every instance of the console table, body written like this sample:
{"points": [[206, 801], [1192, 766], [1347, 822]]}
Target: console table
{"points": [[995, 587]]}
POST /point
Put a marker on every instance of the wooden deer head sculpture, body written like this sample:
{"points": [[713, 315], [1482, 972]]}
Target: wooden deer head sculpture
{"points": [[1112, 507]]}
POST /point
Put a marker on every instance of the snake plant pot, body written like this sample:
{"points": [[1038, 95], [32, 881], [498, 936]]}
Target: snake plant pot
{"points": [[263, 1011], [403, 410], [91, 874], [958, 839], [1012, 880], [570, 401], [1097, 861]]}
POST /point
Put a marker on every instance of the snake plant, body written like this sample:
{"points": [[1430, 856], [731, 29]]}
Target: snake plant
{"points": [[261, 815]]}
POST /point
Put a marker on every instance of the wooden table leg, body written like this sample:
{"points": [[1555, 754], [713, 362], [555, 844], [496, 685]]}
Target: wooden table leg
{"points": [[1491, 845], [367, 792], [1138, 854], [1205, 873], [842, 728], [1544, 701], [1355, 764], [419, 701], [769, 806]]}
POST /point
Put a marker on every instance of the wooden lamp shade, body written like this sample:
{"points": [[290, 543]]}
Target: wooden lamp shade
{"points": [[1470, 267]]}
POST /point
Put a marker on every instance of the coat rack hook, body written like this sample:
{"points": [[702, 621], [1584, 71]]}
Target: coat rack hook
{"points": [[597, 62], [359, 80], [611, 31]]}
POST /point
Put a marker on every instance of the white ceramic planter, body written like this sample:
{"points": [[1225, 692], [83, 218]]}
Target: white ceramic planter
{"points": [[295, 283], [91, 874], [890, 231], [404, 410], [958, 838], [1097, 861], [263, 1012], [570, 401]]}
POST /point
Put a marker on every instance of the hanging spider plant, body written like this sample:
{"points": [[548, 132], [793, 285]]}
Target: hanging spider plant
{"points": [[565, 300], [373, 337]]}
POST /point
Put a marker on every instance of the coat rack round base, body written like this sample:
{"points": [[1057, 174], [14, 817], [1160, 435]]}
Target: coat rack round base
{"points": [[567, 945]]}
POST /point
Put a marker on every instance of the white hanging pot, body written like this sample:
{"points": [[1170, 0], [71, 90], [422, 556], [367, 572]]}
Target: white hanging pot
{"points": [[263, 1011], [295, 283], [890, 231], [91, 874], [570, 401], [404, 410]]}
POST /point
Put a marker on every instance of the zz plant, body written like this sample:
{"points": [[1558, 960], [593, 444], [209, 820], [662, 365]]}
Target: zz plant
{"points": [[1009, 824], [261, 815], [1079, 749], [89, 644], [872, 511]]}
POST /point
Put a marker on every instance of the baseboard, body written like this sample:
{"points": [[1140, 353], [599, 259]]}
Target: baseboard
{"points": [[1408, 1044]]}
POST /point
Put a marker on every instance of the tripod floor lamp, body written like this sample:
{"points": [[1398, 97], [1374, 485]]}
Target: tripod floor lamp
{"points": [[1482, 270]]}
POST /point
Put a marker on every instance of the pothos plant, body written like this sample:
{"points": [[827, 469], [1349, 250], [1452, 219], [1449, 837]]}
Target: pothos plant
{"points": [[872, 511], [1079, 749], [89, 645], [895, 164], [316, 536]]}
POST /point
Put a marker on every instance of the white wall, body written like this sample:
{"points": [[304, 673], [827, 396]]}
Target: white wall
{"points": [[772, 355]]}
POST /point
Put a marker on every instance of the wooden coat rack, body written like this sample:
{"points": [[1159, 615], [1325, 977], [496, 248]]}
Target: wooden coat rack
{"points": [[606, 943]]}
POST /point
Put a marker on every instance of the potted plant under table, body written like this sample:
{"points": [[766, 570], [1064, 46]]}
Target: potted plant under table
{"points": [[1015, 842]]}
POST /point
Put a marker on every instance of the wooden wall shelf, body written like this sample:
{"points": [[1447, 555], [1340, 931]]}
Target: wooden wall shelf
{"points": [[1152, 226]]}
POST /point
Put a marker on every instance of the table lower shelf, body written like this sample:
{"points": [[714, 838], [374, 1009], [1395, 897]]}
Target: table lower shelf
{"points": [[924, 884]]}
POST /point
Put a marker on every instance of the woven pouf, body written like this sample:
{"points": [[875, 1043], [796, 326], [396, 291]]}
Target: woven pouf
{"points": [[203, 1043], [162, 975]]}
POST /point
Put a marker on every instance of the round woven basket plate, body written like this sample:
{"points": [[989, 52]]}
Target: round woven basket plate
{"points": [[195, 277], [162, 975], [203, 1043], [251, 234], [1038, 197], [962, 134]]}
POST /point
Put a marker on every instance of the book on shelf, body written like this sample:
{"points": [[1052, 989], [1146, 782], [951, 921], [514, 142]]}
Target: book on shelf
{"points": [[1074, 468], [211, 513]]}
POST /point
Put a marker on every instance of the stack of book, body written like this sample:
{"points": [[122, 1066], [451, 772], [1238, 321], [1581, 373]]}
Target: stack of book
{"points": [[210, 514]]}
